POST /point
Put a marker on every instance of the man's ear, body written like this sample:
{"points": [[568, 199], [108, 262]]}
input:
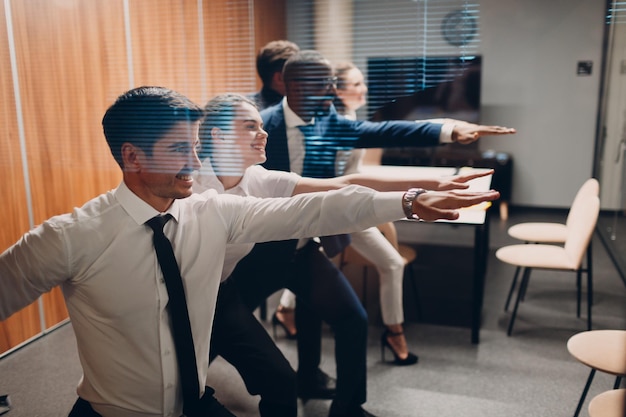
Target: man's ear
{"points": [[130, 157], [278, 82], [278, 77]]}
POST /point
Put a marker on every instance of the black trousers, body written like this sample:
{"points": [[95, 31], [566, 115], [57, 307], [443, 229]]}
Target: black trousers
{"points": [[323, 294], [208, 406], [242, 341]]}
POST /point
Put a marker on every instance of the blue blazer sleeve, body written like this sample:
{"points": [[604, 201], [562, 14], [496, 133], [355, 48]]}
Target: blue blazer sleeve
{"points": [[334, 133], [388, 134]]}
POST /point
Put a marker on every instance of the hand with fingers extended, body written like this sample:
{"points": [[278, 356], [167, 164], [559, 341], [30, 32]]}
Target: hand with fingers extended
{"points": [[444, 205], [460, 181], [464, 132]]}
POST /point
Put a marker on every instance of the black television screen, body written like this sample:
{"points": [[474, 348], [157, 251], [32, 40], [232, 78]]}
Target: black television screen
{"points": [[415, 88]]}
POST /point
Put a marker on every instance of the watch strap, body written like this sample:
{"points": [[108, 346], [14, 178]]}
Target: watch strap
{"points": [[407, 202]]}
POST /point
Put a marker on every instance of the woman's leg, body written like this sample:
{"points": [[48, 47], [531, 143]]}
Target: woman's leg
{"points": [[372, 245], [285, 313]]}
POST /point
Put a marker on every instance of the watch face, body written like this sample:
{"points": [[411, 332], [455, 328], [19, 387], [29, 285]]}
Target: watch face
{"points": [[459, 27]]}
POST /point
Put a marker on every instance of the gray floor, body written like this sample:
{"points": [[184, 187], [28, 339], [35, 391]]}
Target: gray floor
{"points": [[527, 374]]}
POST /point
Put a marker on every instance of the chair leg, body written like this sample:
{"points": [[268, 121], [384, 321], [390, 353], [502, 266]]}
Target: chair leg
{"points": [[524, 287], [523, 283], [584, 394], [589, 261], [589, 298], [618, 381], [513, 283], [524, 292], [578, 291]]}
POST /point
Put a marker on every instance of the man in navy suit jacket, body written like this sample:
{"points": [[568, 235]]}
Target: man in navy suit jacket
{"points": [[332, 133], [310, 88], [305, 133]]}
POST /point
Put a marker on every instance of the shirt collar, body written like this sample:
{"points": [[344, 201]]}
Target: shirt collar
{"points": [[139, 210], [206, 179]]}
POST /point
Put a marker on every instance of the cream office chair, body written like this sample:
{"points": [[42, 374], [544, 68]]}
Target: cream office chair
{"points": [[547, 232], [601, 350], [581, 224], [609, 404], [349, 256]]}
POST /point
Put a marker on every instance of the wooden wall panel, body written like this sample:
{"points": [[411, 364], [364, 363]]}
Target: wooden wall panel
{"points": [[270, 23], [270, 17], [165, 45], [71, 66], [229, 47], [14, 212], [67, 52]]}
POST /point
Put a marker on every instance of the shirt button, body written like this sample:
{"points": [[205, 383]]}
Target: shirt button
{"points": [[166, 352], [162, 281], [169, 386]]}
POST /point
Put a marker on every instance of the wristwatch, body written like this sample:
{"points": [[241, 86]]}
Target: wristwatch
{"points": [[407, 202]]}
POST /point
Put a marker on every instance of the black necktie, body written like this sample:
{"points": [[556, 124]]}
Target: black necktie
{"points": [[177, 305], [316, 155]]}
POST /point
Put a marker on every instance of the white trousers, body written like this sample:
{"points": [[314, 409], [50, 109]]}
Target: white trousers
{"points": [[372, 245]]}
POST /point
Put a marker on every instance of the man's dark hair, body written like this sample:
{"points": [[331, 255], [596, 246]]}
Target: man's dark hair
{"points": [[304, 63], [141, 116], [272, 57], [219, 112]]}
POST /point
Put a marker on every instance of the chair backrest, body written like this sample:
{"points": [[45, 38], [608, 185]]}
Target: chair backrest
{"points": [[583, 218], [589, 187]]}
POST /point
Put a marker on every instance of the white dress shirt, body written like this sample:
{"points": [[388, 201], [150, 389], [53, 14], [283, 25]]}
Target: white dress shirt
{"points": [[256, 182], [102, 256]]}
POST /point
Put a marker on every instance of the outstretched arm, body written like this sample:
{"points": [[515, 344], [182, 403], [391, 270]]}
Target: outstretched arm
{"points": [[347, 210], [436, 205], [307, 185], [465, 132]]}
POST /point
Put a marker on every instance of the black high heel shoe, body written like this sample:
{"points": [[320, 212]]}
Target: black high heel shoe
{"points": [[409, 360], [276, 322]]}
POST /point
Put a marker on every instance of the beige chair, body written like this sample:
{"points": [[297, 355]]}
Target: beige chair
{"points": [[581, 224], [349, 256], [601, 350], [546, 232], [609, 404]]}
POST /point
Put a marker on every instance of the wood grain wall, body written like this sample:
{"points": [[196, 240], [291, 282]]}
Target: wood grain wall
{"points": [[72, 60]]}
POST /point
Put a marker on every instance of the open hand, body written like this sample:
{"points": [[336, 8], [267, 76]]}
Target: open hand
{"points": [[465, 133], [444, 205], [460, 182]]}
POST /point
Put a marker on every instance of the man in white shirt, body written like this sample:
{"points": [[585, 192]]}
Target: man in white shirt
{"points": [[102, 255]]}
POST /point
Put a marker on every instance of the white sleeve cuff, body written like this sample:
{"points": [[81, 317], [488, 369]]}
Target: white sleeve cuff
{"points": [[445, 136]]}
